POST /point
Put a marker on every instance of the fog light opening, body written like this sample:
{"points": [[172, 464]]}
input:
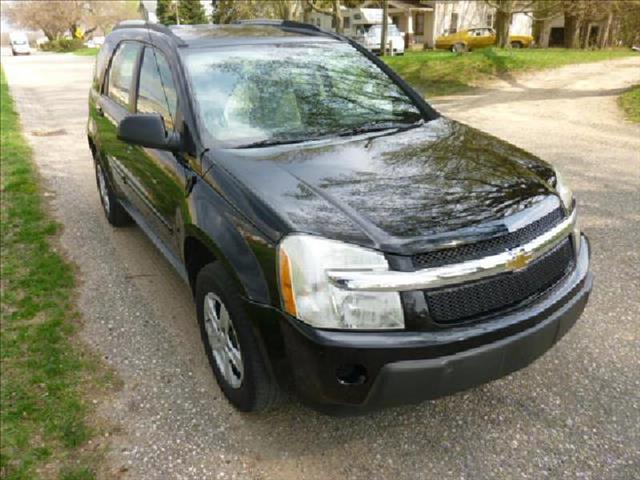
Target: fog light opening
{"points": [[351, 375]]}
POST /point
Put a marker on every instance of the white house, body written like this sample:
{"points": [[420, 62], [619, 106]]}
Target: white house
{"points": [[422, 21]]}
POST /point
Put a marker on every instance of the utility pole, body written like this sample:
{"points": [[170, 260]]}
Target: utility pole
{"points": [[385, 27], [177, 7]]}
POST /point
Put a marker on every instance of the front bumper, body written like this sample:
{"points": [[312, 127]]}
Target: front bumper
{"points": [[355, 371]]}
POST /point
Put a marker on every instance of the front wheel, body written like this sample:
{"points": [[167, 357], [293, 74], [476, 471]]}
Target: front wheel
{"points": [[230, 343], [516, 44], [458, 48]]}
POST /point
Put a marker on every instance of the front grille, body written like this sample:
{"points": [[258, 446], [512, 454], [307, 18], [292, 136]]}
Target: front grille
{"points": [[492, 246], [484, 297]]}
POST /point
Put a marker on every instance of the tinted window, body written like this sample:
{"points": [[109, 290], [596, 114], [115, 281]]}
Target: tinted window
{"points": [[292, 91], [157, 93], [121, 73]]}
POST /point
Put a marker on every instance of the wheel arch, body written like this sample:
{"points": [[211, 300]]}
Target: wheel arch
{"points": [[197, 254], [203, 245]]}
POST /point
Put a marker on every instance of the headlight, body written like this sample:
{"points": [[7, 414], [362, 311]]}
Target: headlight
{"points": [[565, 193], [307, 294], [566, 197]]}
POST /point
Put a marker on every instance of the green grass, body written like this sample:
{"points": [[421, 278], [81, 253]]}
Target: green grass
{"points": [[46, 374], [86, 52], [630, 103], [443, 73]]}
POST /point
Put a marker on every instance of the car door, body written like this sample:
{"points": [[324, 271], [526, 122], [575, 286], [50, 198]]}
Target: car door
{"points": [[474, 38], [113, 105], [157, 175], [491, 36]]}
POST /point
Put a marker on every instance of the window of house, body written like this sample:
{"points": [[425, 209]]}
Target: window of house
{"points": [[453, 24], [419, 23], [121, 73], [157, 92], [489, 19], [346, 22]]}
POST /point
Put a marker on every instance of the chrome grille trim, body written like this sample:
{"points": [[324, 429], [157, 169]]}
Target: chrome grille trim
{"points": [[395, 281]]}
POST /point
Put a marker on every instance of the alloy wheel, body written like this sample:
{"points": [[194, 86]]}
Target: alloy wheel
{"points": [[102, 187], [223, 340]]}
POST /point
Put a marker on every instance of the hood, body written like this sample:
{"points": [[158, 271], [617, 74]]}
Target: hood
{"points": [[394, 192]]}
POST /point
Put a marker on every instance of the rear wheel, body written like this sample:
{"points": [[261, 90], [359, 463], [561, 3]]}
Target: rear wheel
{"points": [[458, 48], [516, 44], [230, 343], [116, 215]]}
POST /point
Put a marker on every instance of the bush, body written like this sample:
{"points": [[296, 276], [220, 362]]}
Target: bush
{"points": [[62, 45]]}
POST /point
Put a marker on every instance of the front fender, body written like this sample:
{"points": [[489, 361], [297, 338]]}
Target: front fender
{"points": [[231, 239]]}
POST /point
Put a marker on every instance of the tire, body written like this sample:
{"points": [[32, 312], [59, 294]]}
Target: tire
{"points": [[458, 48], [115, 213], [516, 44], [247, 383]]}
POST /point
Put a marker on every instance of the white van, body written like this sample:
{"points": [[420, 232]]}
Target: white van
{"points": [[19, 43], [372, 36], [365, 26]]}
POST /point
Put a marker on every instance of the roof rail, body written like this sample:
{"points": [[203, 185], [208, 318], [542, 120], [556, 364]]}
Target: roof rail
{"points": [[156, 27], [290, 25]]}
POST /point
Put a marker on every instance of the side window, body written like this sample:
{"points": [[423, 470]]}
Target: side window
{"points": [[157, 92], [121, 73]]}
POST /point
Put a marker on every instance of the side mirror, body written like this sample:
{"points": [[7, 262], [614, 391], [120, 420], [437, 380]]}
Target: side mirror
{"points": [[147, 130]]}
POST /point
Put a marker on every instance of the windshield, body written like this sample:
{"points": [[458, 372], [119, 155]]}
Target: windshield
{"points": [[292, 92], [19, 41], [392, 30]]}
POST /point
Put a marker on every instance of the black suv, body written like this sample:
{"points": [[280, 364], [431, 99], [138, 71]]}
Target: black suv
{"points": [[338, 234]]}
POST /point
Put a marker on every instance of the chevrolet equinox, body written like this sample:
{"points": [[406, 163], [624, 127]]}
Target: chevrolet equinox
{"points": [[341, 238]]}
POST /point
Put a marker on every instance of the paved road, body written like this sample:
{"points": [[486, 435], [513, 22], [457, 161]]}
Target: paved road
{"points": [[573, 414]]}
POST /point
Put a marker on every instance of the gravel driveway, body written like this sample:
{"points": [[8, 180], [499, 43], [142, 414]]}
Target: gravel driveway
{"points": [[575, 413]]}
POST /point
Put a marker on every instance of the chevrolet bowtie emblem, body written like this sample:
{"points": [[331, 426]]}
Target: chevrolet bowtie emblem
{"points": [[519, 260]]}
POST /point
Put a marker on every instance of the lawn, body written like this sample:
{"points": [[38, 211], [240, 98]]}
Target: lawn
{"points": [[630, 103], [46, 374], [86, 52], [443, 73]]}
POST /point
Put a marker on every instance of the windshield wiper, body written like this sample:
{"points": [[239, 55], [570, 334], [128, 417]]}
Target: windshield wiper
{"points": [[269, 142], [366, 128], [379, 127]]}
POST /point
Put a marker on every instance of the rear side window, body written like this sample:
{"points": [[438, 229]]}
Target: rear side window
{"points": [[157, 92], [121, 73]]}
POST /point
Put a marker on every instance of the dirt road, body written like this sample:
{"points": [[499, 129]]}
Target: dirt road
{"points": [[572, 414]]}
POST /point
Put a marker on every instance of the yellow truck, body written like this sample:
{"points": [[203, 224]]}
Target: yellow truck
{"points": [[478, 38]]}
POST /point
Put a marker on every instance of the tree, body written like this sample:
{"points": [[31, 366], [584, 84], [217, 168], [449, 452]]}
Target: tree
{"points": [[227, 11], [328, 7], [166, 12], [286, 9], [618, 21], [385, 27], [505, 9], [626, 25], [105, 14], [54, 18], [191, 12]]}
